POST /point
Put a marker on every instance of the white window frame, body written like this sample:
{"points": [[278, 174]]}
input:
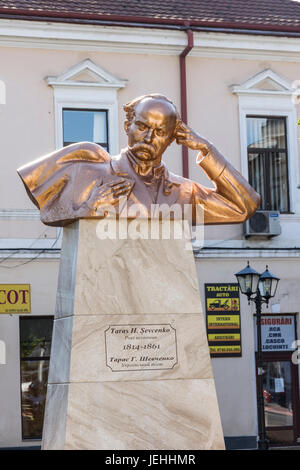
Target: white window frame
{"points": [[270, 102], [100, 93]]}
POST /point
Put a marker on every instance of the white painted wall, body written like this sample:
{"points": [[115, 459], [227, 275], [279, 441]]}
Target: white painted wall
{"points": [[42, 276]]}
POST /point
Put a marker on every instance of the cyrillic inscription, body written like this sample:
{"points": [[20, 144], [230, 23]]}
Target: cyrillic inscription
{"points": [[140, 347]]}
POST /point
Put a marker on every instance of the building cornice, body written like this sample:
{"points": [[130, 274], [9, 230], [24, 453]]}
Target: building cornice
{"points": [[139, 40], [23, 214], [234, 253]]}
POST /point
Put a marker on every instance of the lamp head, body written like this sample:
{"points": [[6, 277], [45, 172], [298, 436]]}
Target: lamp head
{"points": [[268, 284], [248, 280]]}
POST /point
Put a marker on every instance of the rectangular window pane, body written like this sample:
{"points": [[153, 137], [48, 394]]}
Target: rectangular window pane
{"points": [[35, 347], [99, 129], [268, 162], [85, 125], [278, 181], [34, 378], [35, 337], [278, 400], [256, 175], [266, 132], [281, 437]]}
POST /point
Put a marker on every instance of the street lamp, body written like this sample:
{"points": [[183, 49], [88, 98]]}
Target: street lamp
{"points": [[259, 288]]}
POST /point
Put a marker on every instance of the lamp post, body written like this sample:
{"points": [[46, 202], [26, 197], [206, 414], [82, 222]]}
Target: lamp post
{"points": [[259, 288]]}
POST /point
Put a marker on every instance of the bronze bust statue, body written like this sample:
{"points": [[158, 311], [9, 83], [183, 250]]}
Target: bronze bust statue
{"points": [[75, 181]]}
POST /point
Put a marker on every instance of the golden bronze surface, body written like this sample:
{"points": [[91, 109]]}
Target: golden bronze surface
{"points": [[75, 181]]}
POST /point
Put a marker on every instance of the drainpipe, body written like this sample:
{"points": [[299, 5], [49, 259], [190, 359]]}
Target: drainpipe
{"points": [[183, 97]]}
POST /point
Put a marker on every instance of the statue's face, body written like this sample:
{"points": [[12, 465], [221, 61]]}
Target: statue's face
{"points": [[152, 129]]}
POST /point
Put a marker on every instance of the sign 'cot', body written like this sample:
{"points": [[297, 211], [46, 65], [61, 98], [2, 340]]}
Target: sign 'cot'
{"points": [[15, 298]]}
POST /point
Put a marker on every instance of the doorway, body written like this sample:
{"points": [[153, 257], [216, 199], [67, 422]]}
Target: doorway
{"points": [[281, 399]]}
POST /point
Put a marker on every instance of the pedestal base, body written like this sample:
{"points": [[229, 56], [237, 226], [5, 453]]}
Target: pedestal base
{"points": [[130, 366]]}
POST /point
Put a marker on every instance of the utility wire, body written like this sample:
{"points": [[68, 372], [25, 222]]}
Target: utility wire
{"points": [[34, 257], [18, 250]]}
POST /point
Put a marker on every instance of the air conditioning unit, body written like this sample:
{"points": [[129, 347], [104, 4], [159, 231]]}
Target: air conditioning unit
{"points": [[263, 223]]}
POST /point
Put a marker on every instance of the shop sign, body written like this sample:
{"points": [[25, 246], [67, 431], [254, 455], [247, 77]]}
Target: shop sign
{"points": [[223, 319], [277, 333], [15, 298]]}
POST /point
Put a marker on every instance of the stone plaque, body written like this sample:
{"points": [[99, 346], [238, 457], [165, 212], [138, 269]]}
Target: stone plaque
{"points": [[140, 347]]}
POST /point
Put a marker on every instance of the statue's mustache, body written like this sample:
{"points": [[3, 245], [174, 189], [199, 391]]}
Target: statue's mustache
{"points": [[143, 146]]}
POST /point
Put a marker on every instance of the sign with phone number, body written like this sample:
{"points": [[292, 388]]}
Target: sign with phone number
{"points": [[223, 319]]}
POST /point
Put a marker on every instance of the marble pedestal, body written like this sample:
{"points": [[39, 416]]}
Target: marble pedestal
{"points": [[130, 367]]}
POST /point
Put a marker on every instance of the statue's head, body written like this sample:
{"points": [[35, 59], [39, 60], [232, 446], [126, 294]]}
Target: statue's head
{"points": [[150, 124]]}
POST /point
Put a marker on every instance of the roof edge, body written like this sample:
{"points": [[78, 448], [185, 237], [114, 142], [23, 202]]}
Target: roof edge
{"points": [[73, 17]]}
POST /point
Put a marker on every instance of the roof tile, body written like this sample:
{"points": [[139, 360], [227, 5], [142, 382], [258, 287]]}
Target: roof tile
{"points": [[277, 14]]}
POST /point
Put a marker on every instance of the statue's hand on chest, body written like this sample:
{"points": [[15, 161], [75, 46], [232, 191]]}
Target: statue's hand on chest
{"points": [[109, 193]]}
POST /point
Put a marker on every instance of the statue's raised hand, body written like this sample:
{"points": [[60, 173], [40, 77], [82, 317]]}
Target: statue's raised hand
{"points": [[184, 135]]}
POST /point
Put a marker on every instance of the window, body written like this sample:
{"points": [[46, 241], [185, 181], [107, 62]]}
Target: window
{"points": [[86, 105], [85, 125], [269, 141], [268, 161], [35, 346]]}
